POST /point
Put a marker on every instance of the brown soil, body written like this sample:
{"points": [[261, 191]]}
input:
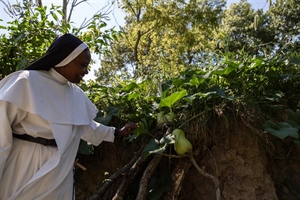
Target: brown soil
{"points": [[248, 166]]}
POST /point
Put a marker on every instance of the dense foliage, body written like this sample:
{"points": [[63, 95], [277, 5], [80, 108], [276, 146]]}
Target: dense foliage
{"points": [[33, 28]]}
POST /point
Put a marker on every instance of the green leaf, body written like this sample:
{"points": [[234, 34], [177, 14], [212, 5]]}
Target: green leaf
{"points": [[282, 130], [295, 60], [173, 98], [85, 148], [133, 95], [141, 129], [197, 79], [225, 71], [151, 146], [54, 16], [129, 87], [178, 81], [103, 120], [297, 143], [22, 63], [293, 118], [159, 150], [256, 63], [113, 111], [18, 38]]}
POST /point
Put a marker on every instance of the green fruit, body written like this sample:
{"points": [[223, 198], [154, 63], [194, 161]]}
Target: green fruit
{"points": [[165, 118], [182, 145]]}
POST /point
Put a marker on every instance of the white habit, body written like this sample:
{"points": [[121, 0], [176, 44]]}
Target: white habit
{"points": [[43, 104]]}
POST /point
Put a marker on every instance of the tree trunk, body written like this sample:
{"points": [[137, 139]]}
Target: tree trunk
{"points": [[64, 11]]}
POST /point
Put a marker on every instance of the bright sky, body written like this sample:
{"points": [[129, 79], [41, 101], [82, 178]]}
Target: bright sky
{"points": [[86, 10]]}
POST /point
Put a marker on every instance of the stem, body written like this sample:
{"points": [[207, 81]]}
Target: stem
{"points": [[192, 118], [174, 156]]}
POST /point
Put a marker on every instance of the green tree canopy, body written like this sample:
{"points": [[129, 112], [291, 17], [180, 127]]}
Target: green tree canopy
{"points": [[243, 28], [162, 38]]}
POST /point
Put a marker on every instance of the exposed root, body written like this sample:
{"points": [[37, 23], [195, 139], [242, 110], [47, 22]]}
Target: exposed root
{"points": [[146, 176], [178, 175], [105, 187], [129, 178], [213, 178]]}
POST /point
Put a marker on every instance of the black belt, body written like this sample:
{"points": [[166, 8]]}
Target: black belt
{"points": [[43, 141]]}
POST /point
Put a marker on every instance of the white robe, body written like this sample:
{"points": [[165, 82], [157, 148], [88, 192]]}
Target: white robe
{"points": [[34, 171]]}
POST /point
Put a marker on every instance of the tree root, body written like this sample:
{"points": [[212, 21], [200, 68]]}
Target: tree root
{"points": [[107, 185], [178, 176], [213, 178], [133, 168], [129, 178], [142, 193]]}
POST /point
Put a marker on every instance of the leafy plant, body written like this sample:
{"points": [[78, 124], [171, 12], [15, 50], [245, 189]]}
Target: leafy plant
{"points": [[290, 128], [28, 36]]}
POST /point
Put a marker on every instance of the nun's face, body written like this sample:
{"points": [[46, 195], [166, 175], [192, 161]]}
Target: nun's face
{"points": [[76, 69]]}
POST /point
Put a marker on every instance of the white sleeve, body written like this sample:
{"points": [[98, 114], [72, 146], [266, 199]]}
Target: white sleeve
{"points": [[10, 115], [96, 133]]}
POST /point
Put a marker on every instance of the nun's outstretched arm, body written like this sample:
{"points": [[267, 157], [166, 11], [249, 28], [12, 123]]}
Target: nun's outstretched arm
{"points": [[96, 133]]}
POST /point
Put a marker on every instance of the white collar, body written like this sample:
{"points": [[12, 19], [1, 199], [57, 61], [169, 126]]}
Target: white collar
{"points": [[57, 76]]}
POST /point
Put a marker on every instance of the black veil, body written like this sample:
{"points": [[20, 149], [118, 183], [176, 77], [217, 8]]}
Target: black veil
{"points": [[60, 48]]}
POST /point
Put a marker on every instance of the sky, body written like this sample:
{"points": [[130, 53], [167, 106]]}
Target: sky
{"points": [[86, 10]]}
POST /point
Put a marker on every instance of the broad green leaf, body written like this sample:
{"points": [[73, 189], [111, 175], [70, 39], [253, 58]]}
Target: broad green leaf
{"points": [[178, 81], [103, 120], [141, 129], [173, 98], [197, 80], [85, 148], [231, 64], [281, 130], [159, 150], [217, 90], [133, 95], [112, 111], [165, 92], [293, 118], [129, 87], [151, 146], [256, 63], [225, 71]]}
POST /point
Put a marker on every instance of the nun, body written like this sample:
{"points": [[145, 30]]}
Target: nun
{"points": [[43, 116]]}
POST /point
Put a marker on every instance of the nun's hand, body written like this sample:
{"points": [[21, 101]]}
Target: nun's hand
{"points": [[128, 129]]}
